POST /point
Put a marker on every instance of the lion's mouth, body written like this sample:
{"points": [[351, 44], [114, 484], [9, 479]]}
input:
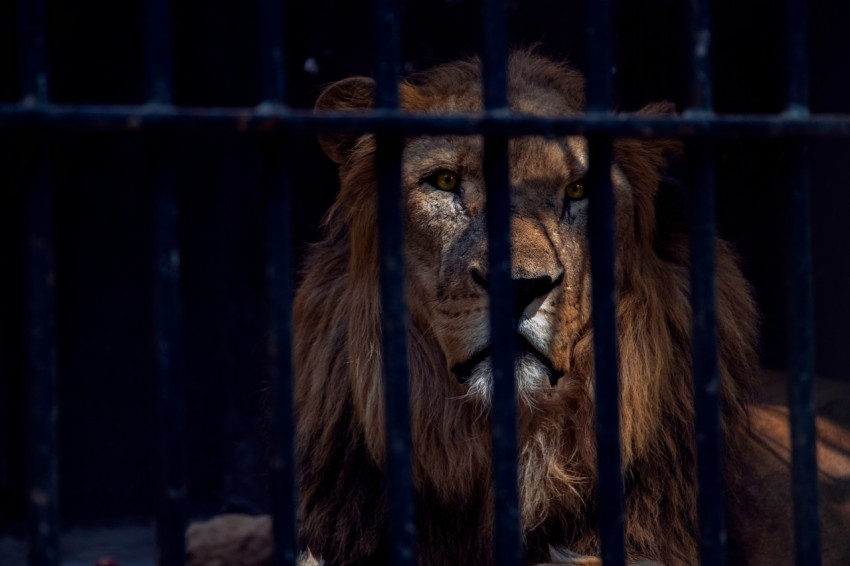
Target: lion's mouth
{"points": [[463, 370]]}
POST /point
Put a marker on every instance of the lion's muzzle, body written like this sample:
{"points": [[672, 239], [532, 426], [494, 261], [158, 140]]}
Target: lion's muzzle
{"points": [[524, 351]]}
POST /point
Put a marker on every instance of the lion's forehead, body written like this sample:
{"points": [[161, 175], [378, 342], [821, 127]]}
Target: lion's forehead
{"points": [[532, 159], [524, 97]]}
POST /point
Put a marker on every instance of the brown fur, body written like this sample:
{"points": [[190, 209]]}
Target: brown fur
{"points": [[338, 353]]}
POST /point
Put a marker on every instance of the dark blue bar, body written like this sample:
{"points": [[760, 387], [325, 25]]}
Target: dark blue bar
{"points": [[507, 548], [799, 306], [610, 490], [171, 523], [272, 58], [494, 54], [167, 329], [33, 52], [279, 269], [279, 274], [157, 50], [400, 490], [387, 53], [508, 542], [600, 98], [400, 503], [42, 395], [497, 122], [797, 54], [700, 87], [600, 56], [709, 441]]}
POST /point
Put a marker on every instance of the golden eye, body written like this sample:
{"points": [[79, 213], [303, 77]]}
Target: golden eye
{"points": [[444, 180], [576, 191]]}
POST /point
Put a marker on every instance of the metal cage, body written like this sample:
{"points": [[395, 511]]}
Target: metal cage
{"points": [[156, 120]]}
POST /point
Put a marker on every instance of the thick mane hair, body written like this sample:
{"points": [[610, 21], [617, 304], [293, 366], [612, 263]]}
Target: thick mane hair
{"points": [[339, 384]]}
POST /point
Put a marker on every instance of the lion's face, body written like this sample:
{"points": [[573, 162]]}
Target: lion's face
{"points": [[448, 254], [447, 267]]}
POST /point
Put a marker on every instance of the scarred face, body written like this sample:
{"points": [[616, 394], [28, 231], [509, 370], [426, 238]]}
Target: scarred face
{"points": [[447, 245]]}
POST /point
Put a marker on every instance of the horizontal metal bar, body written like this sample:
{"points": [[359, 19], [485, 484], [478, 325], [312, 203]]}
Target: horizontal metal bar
{"points": [[157, 117]]}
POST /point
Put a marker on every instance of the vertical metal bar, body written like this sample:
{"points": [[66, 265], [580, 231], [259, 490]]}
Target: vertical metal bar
{"points": [[610, 490], [700, 88], [33, 52], [709, 440], [171, 522], [391, 215], [279, 274], [801, 359], [800, 303], [157, 50], [507, 548], [387, 54], [797, 54], [42, 395], [167, 328], [600, 46], [494, 54], [284, 491], [272, 59]]}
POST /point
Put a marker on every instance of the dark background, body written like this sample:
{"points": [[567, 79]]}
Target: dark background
{"points": [[106, 373]]}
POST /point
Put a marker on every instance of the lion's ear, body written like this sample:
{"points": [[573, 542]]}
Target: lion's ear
{"points": [[351, 94], [643, 162], [662, 148], [642, 158]]}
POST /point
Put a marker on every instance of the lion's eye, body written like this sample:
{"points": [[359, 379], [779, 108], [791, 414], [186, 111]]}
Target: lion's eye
{"points": [[444, 180], [576, 191]]}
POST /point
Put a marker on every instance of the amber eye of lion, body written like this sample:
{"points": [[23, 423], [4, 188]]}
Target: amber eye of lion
{"points": [[444, 180], [576, 191]]}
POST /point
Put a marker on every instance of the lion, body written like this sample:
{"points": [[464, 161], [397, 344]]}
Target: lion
{"points": [[338, 364]]}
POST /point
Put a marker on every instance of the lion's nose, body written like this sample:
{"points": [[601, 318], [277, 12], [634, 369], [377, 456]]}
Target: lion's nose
{"points": [[527, 288]]}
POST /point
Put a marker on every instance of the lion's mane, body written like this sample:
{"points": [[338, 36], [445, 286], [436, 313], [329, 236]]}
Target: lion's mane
{"points": [[339, 391]]}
